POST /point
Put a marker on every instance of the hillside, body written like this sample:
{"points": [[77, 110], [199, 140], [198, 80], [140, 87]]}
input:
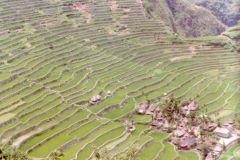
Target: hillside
{"points": [[227, 11], [233, 34], [184, 17], [73, 73]]}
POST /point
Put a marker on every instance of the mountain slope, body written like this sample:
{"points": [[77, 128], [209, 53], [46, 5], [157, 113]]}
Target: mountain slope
{"points": [[227, 11], [233, 34], [184, 18]]}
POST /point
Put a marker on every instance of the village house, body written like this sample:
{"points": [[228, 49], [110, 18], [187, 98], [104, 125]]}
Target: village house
{"points": [[158, 116], [222, 132], [179, 132], [166, 126], [193, 106], [209, 127], [109, 94], [142, 108], [95, 99], [129, 125], [186, 109], [188, 142], [151, 109], [185, 143], [229, 125], [157, 123], [218, 148]]}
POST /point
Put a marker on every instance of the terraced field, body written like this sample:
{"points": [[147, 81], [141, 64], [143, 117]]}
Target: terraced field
{"points": [[55, 55], [232, 153]]}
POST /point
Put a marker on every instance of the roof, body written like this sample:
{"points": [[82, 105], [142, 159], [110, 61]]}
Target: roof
{"points": [[192, 106], [179, 132], [150, 109], [210, 126], [143, 105], [223, 132], [228, 123], [189, 141], [142, 108], [157, 123], [95, 99], [98, 97], [218, 148]]}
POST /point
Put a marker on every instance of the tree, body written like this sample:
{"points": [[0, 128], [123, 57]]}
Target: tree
{"points": [[205, 149], [8, 152], [171, 105]]}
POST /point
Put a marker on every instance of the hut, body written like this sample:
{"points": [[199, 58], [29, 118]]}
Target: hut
{"points": [[95, 99]]}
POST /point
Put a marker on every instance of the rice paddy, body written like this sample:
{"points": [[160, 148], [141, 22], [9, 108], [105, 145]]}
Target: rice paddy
{"points": [[55, 56]]}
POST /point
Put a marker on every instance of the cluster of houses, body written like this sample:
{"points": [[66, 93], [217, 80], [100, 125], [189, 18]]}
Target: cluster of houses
{"points": [[95, 99], [228, 134], [189, 131]]}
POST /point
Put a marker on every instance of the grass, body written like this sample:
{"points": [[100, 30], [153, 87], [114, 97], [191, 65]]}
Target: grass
{"points": [[168, 152], [153, 149], [6, 117], [188, 156], [231, 153]]}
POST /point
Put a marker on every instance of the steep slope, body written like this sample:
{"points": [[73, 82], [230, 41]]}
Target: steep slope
{"points": [[227, 11], [184, 18], [233, 34]]}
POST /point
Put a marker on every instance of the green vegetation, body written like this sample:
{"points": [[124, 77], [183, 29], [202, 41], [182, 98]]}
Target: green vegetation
{"points": [[57, 55], [103, 154], [232, 153], [9, 153]]}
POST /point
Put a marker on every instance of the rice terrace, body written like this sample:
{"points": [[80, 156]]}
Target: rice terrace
{"points": [[119, 79]]}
